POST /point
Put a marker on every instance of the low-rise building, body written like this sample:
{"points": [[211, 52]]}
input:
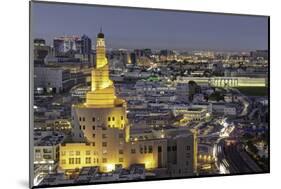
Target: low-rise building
{"points": [[192, 114], [170, 150], [224, 108], [46, 147], [51, 79]]}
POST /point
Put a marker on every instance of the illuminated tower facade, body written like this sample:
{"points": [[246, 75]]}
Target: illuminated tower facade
{"points": [[102, 120], [102, 92]]}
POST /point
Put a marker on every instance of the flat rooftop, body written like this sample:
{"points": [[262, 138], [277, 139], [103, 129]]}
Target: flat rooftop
{"points": [[48, 138]]}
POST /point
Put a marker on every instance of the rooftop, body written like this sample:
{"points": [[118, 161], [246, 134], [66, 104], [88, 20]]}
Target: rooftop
{"points": [[48, 138]]}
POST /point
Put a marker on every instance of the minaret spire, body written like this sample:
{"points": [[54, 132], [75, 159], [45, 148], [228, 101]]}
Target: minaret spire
{"points": [[102, 89]]}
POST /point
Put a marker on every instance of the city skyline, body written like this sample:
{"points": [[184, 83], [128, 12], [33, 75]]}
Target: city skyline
{"points": [[102, 115], [149, 28]]}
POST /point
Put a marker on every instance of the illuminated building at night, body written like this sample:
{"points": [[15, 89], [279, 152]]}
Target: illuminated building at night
{"points": [[158, 102], [101, 133], [226, 81]]}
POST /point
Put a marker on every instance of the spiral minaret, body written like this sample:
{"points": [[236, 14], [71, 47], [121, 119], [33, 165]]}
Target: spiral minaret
{"points": [[102, 88]]}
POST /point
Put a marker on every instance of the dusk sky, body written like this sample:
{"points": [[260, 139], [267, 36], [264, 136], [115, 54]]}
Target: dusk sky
{"points": [[148, 28]]}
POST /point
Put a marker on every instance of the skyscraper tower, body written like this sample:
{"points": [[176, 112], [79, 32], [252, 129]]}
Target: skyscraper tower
{"points": [[86, 45]]}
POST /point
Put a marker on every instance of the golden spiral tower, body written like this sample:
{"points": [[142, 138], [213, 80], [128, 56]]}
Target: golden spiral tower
{"points": [[102, 92]]}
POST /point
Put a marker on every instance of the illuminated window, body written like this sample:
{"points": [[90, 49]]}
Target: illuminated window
{"points": [[133, 151], [88, 152], [88, 160], [104, 160], [121, 152], [104, 144], [71, 161], [77, 161], [94, 128], [121, 160]]}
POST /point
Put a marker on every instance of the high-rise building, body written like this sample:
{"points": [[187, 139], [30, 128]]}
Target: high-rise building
{"points": [[167, 55], [133, 57], [86, 45], [138, 52], [58, 46], [39, 42], [259, 54], [41, 50], [66, 44], [147, 52]]}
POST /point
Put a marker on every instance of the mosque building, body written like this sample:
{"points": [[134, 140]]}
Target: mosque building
{"points": [[101, 133]]}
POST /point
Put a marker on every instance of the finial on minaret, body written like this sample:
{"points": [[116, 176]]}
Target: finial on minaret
{"points": [[100, 34]]}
